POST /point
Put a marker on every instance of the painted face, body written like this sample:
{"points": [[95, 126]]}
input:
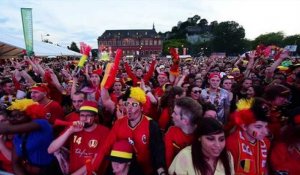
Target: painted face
{"points": [[195, 93], [215, 82], [210, 113], [212, 145], [77, 101], [95, 79], [227, 84], [119, 168], [257, 130], [37, 96], [133, 109], [87, 118]]}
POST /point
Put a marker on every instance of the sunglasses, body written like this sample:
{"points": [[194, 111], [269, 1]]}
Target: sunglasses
{"points": [[133, 104], [196, 91]]}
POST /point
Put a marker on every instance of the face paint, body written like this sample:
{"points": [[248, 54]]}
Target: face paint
{"points": [[254, 134]]}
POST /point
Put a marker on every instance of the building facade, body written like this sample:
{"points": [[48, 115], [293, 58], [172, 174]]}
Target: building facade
{"points": [[133, 42]]}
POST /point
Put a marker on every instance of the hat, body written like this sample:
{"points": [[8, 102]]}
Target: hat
{"points": [[137, 94], [89, 106], [121, 152], [212, 75], [41, 87]]}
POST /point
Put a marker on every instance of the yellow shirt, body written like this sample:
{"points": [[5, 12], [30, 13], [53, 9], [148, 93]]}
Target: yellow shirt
{"points": [[183, 164]]}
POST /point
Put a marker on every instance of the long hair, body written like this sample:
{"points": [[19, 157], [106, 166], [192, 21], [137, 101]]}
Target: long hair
{"points": [[207, 126], [168, 99]]}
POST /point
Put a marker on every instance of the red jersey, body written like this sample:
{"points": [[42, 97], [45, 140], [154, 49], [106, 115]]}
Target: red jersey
{"points": [[175, 140], [249, 158], [53, 111], [137, 136], [84, 145], [285, 159]]}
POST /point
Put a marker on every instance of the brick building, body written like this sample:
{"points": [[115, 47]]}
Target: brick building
{"points": [[133, 42]]}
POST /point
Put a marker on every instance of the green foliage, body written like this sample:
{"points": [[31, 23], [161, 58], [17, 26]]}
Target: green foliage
{"points": [[175, 43], [74, 47], [274, 38], [228, 37]]}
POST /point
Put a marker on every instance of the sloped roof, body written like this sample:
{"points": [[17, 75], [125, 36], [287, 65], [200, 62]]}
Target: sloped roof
{"points": [[144, 33], [13, 46]]}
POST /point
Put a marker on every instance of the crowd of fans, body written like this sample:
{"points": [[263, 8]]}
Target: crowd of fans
{"points": [[203, 115]]}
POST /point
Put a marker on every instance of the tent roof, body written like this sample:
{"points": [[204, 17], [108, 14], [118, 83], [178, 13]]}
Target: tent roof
{"points": [[12, 47]]}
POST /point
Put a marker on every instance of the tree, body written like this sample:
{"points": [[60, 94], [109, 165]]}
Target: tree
{"points": [[293, 40], [74, 47], [175, 43], [274, 38], [228, 37]]}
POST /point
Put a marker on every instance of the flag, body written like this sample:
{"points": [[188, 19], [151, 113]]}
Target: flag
{"points": [[26, 14], [291, 48]]}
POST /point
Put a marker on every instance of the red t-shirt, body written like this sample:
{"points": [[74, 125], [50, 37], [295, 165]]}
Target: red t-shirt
{"points": [[139, 136], [175, 140], [84, 145]]}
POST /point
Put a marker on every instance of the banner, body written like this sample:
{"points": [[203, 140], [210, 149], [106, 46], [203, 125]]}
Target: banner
{"points": [[291, 48], [26, 14]]}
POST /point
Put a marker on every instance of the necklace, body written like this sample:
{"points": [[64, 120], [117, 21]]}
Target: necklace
{"points": [[216, 101]]}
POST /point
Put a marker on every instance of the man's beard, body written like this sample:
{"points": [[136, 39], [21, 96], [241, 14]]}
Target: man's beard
{"points": [[87, 125]]}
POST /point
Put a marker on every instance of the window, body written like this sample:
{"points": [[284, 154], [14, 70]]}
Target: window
{"points": [[146, 42], [155, 42], [151, 42]]}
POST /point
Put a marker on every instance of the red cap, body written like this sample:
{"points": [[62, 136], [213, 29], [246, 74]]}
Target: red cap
{"points": [[212, 75], [41, 87]]}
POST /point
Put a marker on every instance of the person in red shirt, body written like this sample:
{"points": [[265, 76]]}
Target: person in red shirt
{"points": [[248, 144], [140, 131], [52, 108], [186, 115], [285, 155], [84, 138], [139, 74], [77, 100]]}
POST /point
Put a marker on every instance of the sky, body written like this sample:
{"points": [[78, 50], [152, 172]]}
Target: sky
{"points": [[84, 20]]}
